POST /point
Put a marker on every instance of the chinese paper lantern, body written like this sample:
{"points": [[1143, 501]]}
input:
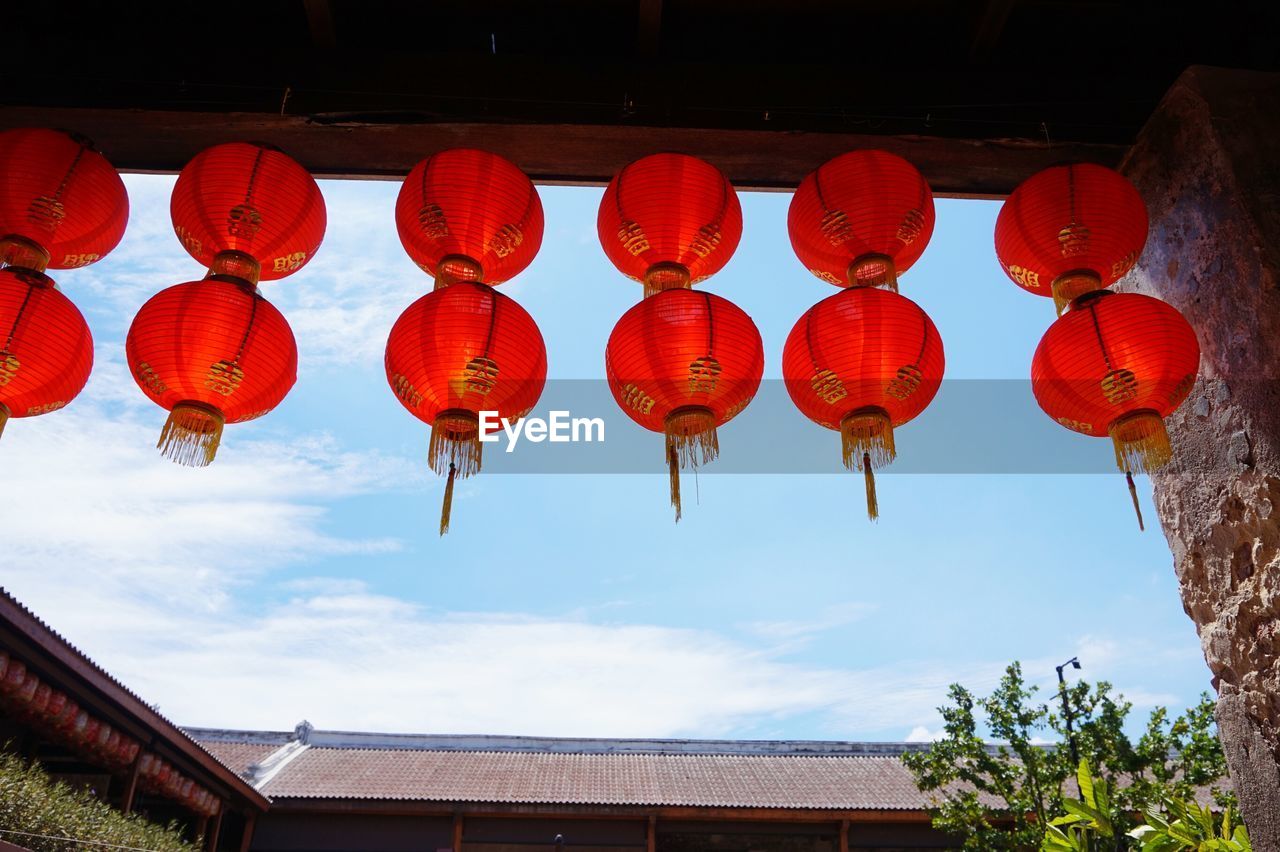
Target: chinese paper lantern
{"points": [[455, 352], [211, 352], [469, 216], [251, 203], [1069, 230], [1117, 364], [683, 363], [65, 718], [669, 220], [46, 350], [862, 218], [62, 205], [864, 362]]}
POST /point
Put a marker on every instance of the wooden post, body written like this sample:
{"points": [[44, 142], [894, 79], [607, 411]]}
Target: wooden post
{"points": [[247, 838], [844, 835], [457, 833], [131, 786], [202, 828], [212, 844], [651, 835]]}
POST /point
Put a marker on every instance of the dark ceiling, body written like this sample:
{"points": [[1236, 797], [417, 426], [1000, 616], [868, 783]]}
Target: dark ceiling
{"points": [[1044, 71]]}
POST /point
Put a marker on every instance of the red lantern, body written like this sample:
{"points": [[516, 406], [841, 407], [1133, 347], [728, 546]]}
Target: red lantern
{"points": [[864, 362], [862, 218], [469, 215], [252, 202], [1117, 364], [66, 718], [683, 363], [46, 350], [457, 351], [62, 205], [56, 704], [1069, 230], [40, 700], [15, 674], [212, 352], [669, 220]]}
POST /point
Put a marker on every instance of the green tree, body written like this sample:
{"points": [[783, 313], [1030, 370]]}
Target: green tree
{"points": [[997, 785], [47, 816]]}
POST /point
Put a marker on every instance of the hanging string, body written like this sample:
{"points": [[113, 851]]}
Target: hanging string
{"points": [[873, 505], [446, 507], [673, 475], [1133, 492]]}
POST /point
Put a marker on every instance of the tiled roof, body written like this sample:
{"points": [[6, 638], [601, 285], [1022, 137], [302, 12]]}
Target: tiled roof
{"points": [[238, 756], [16, 616], [694, 780], [515, 770]]}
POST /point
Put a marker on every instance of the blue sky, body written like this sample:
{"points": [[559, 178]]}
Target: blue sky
{"points": [[301, 575]]}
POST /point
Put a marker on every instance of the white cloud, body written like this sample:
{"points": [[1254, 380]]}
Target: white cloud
{"points": [[921, 734], [105, 533]]}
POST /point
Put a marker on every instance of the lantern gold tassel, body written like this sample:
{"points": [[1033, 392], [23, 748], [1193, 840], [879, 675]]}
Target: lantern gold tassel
{"points": [[4, 417], [666, 275], [673, 473], [446, 507], [1133, 492], [1069, 286], [691, 432], [1141, 442], [192, 434], [873, 505], [867, 434], [873, 270], [455, 443]]}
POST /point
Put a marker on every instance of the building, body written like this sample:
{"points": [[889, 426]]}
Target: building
{"points": [[316, 790], [335, 790], [83, 726]]}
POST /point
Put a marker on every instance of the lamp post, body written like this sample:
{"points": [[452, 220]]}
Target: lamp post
{"points": [[1074, 662]]}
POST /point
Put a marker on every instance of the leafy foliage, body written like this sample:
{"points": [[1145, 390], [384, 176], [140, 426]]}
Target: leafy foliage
{"points": [[1007, 795], [1179, 825], [34, 804], [1087, 820]]}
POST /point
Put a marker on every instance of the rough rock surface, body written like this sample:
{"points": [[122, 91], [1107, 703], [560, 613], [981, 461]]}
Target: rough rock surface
{"points": [[1208, 165]]}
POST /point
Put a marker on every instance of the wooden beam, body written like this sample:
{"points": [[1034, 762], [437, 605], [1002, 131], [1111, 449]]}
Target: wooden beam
{"points": [[648, 28], [320, 22], [457, 833], [212, 841], [986, 35], [844, 835], [162, 142], [246, 838], [459, 810], [651, 834], [131, 785]]}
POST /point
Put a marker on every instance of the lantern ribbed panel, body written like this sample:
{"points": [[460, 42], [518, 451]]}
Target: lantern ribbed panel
{"points": [[251, 198], [1113, 354], [56, 191], [474, 204], [466, 347], [858, 204], [863, 347], [670, 208], [1068, 218], [46, 350], [188, 342], [682, 348]]}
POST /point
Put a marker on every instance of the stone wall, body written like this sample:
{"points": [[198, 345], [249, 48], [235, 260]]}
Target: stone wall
{"points": [[1208, 165]]}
